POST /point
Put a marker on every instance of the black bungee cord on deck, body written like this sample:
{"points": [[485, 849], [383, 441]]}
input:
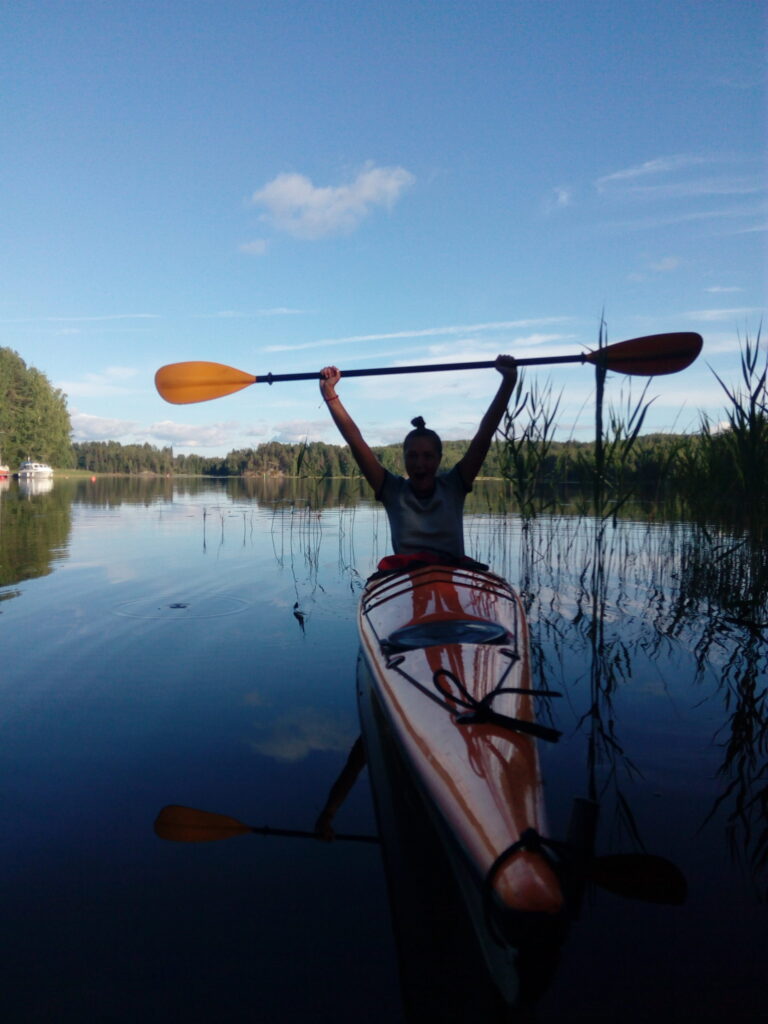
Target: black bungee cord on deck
{"points": [[479, 712]]}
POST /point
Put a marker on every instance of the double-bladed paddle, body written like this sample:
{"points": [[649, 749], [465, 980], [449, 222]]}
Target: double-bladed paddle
{"points": [[640, 876], [651, 356]]}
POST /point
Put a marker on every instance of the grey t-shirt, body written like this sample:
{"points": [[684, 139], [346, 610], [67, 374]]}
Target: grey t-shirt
{"points": [[434, 523]]}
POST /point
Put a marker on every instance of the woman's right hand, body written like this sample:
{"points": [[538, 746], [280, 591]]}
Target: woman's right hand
{"points": [[329, 378]]}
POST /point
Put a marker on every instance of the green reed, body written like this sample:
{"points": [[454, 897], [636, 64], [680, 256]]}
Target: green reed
{"points": [[609, 599], [723, 472], [524, 451], [607, 469], [612, 454]]}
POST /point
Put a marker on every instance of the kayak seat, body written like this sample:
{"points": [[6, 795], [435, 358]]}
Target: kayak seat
{"points": [[445, 631]]}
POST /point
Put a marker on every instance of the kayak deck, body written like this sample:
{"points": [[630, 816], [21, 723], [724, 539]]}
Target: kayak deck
{"points": [[447, 653]]}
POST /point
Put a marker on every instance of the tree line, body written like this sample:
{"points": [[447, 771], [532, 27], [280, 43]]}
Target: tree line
{"points": [[34, 419], [567, 462], [720, 473]]}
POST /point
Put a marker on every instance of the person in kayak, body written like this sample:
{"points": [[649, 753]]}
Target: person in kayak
{"points": [[425, 509]]}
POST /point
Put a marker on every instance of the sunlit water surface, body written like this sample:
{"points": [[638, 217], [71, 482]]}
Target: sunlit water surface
{"points": [[195, 644]]}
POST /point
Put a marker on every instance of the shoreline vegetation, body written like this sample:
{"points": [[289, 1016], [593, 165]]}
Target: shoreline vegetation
{"points": [[718, 475]]}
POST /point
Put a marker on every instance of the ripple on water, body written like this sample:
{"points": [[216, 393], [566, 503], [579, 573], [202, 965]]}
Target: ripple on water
{"points": [[165, 608]]}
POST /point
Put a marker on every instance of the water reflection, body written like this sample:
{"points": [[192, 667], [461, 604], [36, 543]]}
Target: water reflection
{"points": [[721, 608], [655, 633], [620, 609], [35, 526], [607, 604], [30, 486], [618, 601]]}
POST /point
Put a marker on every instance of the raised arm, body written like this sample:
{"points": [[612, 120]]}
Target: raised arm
{"points": [[470, 464], [370, 467]]}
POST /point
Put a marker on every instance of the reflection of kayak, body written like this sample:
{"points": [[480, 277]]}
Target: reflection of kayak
{"points": [[441, 649]]}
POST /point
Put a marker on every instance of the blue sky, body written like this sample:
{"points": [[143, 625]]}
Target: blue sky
{"points": [[282, 184]]}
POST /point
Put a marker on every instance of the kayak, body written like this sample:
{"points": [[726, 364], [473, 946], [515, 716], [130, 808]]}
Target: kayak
{"points": [[445, 673]]}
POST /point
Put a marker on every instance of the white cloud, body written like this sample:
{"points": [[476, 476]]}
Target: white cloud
{"points": [[110, 382], [714, 315], [689, 217], [721, 290], [667, 182], [81, 319], [660, 165], [700, 188], [470, 350], [426, 332], [181, 435], [234, 314], [665, 265], [454, 389], [255, 248], [100, 428], [295, 205], [559, 198], [298, 431], [86, 427], [752, 229], [721, 342]]}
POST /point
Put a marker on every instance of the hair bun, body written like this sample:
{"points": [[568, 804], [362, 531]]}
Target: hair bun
{"points": [[418, 422]]}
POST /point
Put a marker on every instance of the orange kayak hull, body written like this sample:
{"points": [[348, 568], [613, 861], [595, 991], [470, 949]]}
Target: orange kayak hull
{"points": [[440, 643]]}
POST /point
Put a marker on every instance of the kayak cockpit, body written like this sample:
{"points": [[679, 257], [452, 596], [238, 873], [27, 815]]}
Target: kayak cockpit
{"points": [[440, 632]]}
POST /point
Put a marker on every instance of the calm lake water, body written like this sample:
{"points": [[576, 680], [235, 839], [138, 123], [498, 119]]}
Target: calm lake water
{"points": [[194, 642]]}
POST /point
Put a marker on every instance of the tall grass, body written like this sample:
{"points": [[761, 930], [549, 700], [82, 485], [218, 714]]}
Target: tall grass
{"points": [[614, 446], [724, 475], [524, 450], [717, 476]]}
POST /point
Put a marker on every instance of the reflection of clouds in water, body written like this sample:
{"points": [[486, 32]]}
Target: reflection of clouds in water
{"points": [[295, 735]]}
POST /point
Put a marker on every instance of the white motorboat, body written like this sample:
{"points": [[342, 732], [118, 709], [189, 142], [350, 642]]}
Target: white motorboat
{"points": [[34, 471]]}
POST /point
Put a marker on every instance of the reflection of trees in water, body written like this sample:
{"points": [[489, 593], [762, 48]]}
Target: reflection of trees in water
{"points": [[608, 597], [34, 531]]}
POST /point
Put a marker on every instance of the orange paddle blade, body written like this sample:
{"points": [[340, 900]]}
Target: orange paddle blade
{"points": [[187, 825], [183, 383], [651, 356]]}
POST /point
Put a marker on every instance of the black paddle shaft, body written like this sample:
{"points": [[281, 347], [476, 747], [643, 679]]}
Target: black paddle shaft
{"points": [[483, 364]]}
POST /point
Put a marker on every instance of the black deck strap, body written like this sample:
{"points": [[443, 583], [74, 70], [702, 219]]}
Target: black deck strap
{"points": [[480, 712]]}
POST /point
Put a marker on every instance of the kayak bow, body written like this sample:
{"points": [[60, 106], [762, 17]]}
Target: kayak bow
{"points": [[445, 653]]}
